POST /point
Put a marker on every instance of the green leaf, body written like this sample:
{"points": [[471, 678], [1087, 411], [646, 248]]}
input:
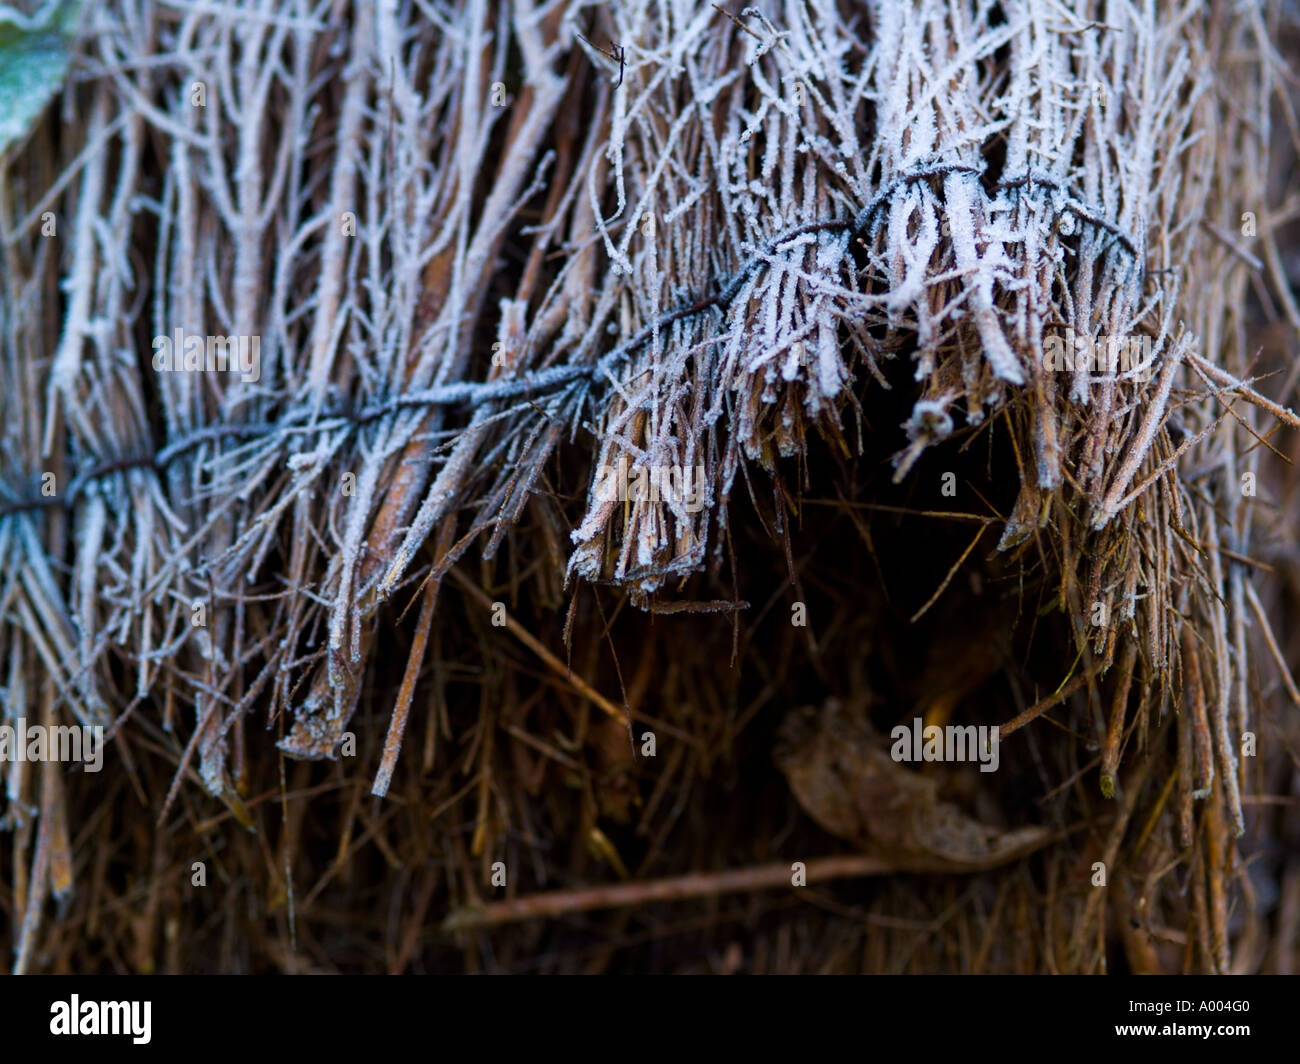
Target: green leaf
{"points": [[34, 56]]}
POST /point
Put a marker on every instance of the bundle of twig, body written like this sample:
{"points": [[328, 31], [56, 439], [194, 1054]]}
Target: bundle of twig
{"points": [[758, 217]]}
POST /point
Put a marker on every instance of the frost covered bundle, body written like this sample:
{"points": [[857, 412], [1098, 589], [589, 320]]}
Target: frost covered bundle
{"points": [[455, 275]]}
